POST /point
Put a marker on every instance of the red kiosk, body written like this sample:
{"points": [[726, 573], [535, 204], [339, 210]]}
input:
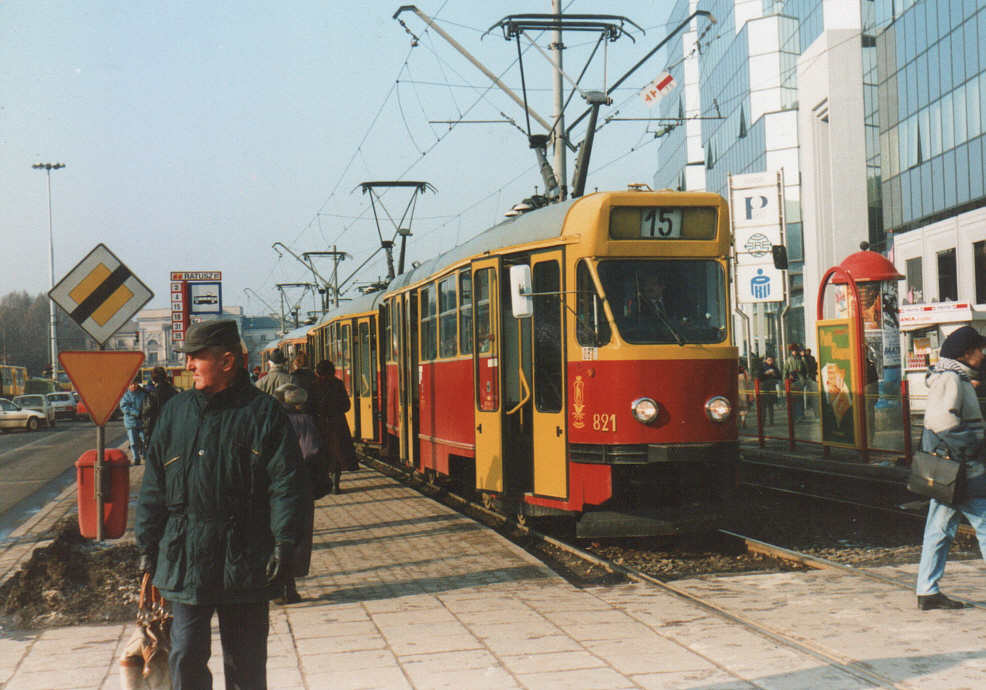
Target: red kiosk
{"points": [[858, 348]]}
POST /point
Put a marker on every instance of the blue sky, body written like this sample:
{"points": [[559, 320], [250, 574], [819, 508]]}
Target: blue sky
{"points": [[197, 134]]}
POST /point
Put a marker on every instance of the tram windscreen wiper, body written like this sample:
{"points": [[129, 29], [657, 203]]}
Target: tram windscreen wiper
{"points": [[667, 324]]}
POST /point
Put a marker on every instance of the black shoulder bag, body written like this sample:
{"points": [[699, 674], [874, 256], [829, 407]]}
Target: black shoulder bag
{"points": [[938, 477]]}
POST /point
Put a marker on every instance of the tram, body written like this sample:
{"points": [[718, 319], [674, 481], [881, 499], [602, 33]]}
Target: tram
{"points": [[13, 380], [576, 361]]}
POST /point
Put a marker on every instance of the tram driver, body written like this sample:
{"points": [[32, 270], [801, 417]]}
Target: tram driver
{"points": [[648, 298]]}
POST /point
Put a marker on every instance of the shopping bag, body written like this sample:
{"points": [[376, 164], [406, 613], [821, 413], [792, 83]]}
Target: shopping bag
{"points": [[937, 476], [144, 662]]}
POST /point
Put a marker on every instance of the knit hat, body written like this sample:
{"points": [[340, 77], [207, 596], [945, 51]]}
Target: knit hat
{"points": [[961, 341]]}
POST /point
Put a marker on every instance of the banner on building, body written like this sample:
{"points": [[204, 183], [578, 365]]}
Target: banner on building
{"points": [[756, 203]]}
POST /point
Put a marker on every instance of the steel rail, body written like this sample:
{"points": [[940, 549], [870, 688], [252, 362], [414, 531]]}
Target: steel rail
{"points": [[818, 563]]}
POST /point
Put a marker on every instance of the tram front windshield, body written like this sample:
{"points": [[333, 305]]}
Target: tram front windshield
{"points": [[660, 301]]}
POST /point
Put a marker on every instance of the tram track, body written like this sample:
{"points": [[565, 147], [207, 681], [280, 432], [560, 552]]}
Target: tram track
{"points": [[790, 639]]}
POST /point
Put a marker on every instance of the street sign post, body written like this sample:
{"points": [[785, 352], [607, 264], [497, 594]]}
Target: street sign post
{"points": [[101, 378], [193, 293], [100, 294]]}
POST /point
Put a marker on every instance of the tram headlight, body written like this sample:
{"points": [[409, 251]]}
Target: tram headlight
{"points": [[645, 410], [718, 408]]}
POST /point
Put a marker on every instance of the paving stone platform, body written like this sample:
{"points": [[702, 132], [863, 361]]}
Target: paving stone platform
{"points": [[407, 594]]}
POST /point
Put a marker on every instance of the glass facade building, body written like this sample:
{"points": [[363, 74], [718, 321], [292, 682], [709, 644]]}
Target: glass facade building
{"points": [[889, 103], [932, 66]]}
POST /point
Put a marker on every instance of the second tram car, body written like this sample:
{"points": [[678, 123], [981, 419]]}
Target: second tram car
{"points": [[576, 360]]}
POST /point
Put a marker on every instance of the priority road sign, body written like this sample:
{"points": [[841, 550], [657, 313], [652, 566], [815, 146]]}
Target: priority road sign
{"points": [[101, 294], [101, 378]]}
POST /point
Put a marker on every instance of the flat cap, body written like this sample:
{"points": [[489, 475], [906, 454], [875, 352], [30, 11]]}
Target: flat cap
{"points": [[216, 333]]}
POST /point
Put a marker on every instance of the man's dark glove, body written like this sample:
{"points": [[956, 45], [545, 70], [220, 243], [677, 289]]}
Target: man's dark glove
{"points": [[280, 564], [147, 564]]}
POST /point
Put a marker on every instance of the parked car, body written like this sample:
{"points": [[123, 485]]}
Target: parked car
{"points": [[38, 403], [64, 404], [14, 416]]}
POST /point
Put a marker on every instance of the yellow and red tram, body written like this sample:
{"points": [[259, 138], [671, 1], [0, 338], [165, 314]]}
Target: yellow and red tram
{"points": [[576, 360]]}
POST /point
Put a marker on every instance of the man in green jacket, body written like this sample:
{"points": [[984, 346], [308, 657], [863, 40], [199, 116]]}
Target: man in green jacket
{"points": [[219, 511]]}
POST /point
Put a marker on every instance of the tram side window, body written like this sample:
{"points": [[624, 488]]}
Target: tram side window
{"points": [[548, 365], [465, 312], [447, 317], [591, 327], [485, 284], [429, 323]]}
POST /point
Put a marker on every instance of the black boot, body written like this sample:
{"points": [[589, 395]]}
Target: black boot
{"points": [[336, 480], [938, 601], [290, 593]]}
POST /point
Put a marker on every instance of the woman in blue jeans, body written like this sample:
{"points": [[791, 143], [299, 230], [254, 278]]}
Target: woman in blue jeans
{"points": [[953, 425]]}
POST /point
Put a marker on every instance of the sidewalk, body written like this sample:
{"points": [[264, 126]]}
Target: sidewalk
{"points": [[407, 594]]}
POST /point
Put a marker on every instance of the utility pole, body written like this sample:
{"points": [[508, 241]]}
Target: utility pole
{"points": [[558, 114], [48, 167]]}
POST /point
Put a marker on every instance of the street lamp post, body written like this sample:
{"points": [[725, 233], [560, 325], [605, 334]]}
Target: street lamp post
{"points": [[48, 167]]}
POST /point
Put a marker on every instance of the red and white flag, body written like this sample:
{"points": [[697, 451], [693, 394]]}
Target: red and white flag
{"points": [[657, 89]]}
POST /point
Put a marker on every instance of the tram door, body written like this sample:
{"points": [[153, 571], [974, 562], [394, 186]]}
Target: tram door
{"points": [[486, 374], [348, 376], [408, 370], [549, 425], [517, 370], [366, 379]]}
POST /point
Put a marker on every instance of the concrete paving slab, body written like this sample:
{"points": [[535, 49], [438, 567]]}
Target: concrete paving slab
{"points": [[408, 594]]}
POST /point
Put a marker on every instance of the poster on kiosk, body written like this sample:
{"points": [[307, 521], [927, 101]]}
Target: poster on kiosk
{"points": [[839, 375]]}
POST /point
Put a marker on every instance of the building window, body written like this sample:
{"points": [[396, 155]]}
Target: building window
{"points": [[979, 268], [948, 282], [915, 281]]}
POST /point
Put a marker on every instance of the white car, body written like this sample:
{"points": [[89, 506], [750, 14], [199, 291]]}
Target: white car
{"points": [[16, 417], [39, 403], [64, 404]]}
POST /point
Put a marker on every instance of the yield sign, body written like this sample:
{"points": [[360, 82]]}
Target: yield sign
{"points": [[100, 294], [101, 378]]}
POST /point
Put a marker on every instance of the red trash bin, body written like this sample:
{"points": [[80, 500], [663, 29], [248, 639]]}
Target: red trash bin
{"points": [[116, 496]]}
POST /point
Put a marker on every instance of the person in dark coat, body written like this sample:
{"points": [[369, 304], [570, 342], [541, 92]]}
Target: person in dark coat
{"points": [[162, 392], [770, 377], [302, 376], [220, 509], [293, 398], [331, 403]]}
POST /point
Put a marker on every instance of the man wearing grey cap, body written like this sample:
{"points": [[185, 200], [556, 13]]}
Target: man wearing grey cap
{"points": [[220, 509]]}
